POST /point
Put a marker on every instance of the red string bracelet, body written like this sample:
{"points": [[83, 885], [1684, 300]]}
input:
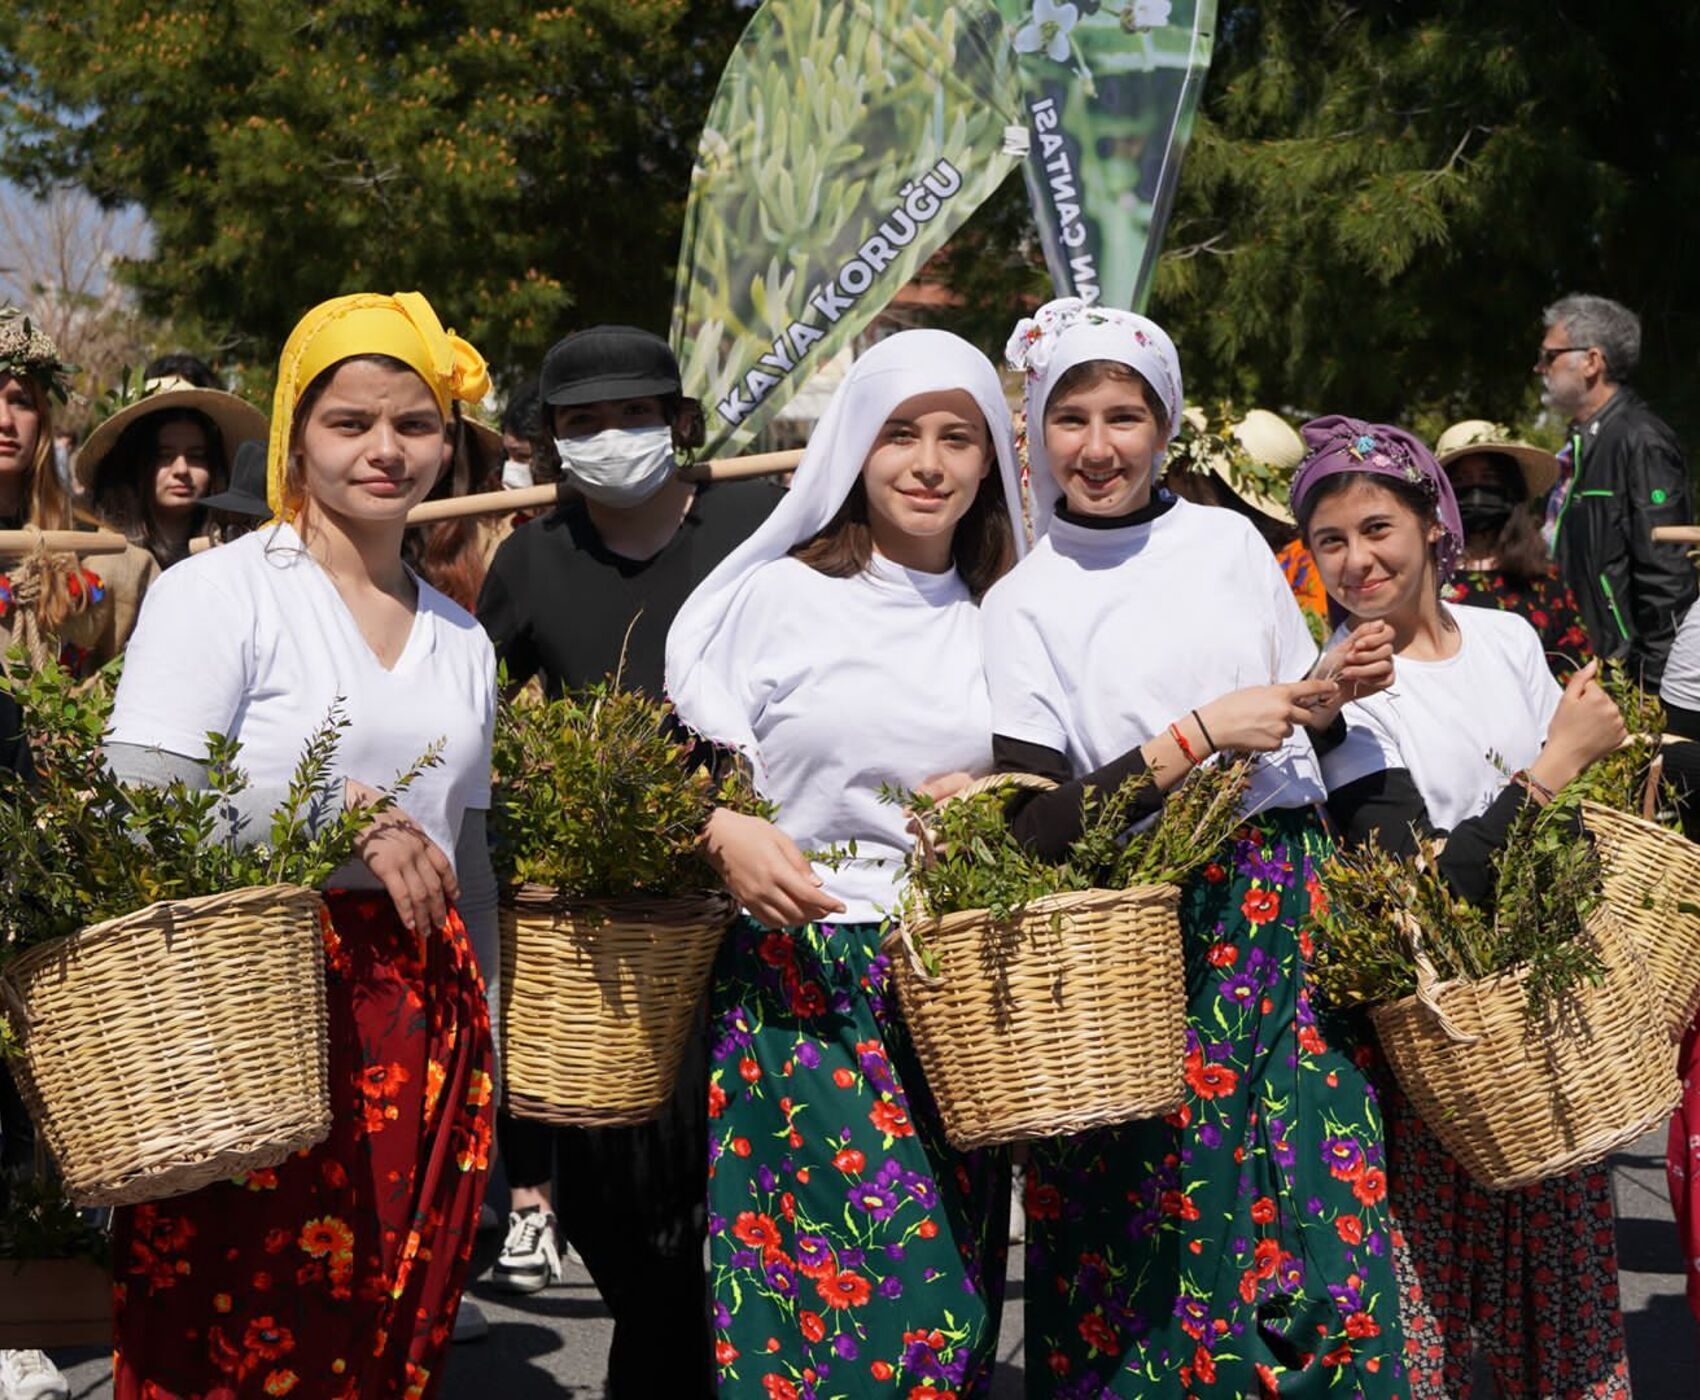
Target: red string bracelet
{"points": [[1186, 748]]}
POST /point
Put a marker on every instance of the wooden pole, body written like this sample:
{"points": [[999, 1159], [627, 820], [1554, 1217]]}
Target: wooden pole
{"points": [[27, 541], [1676, 534]]}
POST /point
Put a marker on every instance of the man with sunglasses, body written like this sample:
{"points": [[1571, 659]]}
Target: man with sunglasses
{"points": [[1625, 475]]}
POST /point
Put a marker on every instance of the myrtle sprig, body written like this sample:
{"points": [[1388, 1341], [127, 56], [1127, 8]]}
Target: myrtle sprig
{"points": [[1546, 884]]}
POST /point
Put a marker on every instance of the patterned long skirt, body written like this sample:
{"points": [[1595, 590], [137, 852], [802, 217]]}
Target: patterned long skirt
{"points": [[1533, 1272], [338, 1273], [853, 1252], [1240, 1246]]}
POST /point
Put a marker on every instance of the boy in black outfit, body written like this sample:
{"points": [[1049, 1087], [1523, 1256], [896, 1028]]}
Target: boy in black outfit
{"points": [[572, 597]]}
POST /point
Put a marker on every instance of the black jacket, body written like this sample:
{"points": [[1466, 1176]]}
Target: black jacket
{"points": [[1628, 476]]}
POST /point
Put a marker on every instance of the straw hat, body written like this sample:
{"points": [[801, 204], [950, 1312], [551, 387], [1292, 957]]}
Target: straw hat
{"points": [[237, 421], [1478, 436], [1270, 441]]}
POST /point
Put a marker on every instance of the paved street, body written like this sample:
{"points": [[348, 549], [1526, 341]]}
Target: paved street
{"points": [[551, 1346]]}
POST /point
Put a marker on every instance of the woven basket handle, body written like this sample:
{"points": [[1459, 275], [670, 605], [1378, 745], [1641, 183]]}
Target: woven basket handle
{"points": [[1650, 793], [1428, 980], [917, 964]]}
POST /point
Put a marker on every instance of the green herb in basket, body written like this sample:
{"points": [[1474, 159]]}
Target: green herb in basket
{"points": [[82, 846], [1619, 780], [1547, 883], [972, 860], [600, 795]]}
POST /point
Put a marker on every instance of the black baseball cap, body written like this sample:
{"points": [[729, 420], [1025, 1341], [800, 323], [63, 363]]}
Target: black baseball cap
{"points": [[608, 362]]}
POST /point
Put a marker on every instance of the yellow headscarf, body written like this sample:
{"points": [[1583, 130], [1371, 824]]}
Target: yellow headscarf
{"points": [[402, 326]]}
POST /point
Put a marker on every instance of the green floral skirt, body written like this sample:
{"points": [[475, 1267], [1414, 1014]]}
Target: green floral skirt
{"points": [[853, 1252], [1240, 1246]]}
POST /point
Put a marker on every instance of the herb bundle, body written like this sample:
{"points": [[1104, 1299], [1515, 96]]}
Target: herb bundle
{"points": [[1547, 884], [972, 860], [599, 795], [82, 847], [1619, 780]]}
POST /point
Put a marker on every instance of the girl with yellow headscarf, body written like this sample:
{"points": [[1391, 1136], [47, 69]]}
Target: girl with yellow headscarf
{"points": [[338, 1273]]}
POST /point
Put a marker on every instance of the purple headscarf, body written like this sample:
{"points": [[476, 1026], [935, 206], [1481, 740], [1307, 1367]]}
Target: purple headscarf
{"points": [[1337, 444]]}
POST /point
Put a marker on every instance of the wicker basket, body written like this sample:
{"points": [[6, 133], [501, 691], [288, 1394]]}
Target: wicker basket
{"points": [[176, 1046], [598, 1001], [1068, 1017], [1517, 1101], [1649, 872]]}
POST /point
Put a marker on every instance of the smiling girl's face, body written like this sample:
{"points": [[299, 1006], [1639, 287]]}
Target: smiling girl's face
{"points": [[1374, 551], [925, 468], [1102, 439]]}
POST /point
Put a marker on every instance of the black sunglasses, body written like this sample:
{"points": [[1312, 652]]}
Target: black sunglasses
{"points": [[1549, 353]]}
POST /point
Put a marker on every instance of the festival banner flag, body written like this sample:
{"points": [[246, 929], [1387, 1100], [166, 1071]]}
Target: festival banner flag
{"points": [[1110, 90], [847, 141]]}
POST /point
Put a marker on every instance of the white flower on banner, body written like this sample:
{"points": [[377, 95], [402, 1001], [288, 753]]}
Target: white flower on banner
{"points": [[1146, 14], [1048, 30]]}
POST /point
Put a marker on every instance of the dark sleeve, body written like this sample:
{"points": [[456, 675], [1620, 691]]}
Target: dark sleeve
{"points": [[1662, 580], [1388, 806], [1048, 823], [1325, 741], [14, 744], [504, 611]]}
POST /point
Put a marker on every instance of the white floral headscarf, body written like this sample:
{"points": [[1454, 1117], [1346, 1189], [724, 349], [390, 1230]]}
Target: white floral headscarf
{"points": [[1069, 332]]}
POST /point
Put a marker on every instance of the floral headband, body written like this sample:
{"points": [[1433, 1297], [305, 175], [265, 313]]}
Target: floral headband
{"points": [[29, 353], [1135, 340], [1338, 444]]}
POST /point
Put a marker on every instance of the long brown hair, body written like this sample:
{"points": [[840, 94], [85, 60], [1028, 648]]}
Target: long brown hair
{"points": [[47, 506], [451, 554], [982, 546]]}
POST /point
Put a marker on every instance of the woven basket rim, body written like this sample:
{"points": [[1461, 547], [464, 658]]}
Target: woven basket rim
{"points": [[1640, 824], [160, 911], [1063, 901], [547, 899]]}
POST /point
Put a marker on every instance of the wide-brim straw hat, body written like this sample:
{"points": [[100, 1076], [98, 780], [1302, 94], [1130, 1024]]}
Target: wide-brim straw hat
{"points": [[1270, 441], [237, 421], [1478, 437]]}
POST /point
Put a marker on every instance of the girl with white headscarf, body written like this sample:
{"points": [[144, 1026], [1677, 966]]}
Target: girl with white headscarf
{"points": [[838, 651], [1238, 1246]]}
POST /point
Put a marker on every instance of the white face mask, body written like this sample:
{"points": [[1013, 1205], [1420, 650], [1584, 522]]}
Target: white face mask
{"points": [[620, 466], [516, 475]]}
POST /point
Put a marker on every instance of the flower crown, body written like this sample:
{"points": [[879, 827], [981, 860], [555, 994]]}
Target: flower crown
{"points": [[29, 353]]}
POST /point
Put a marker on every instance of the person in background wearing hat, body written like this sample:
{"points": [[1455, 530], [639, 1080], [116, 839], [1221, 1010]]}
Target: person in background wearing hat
{"points": [[61, 607], [1627, 476], [1505, 564], [147, 468], [572, 597], [233, 512], [1213, 475]]}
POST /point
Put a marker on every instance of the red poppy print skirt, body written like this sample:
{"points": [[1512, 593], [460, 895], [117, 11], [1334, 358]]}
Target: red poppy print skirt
{"points": [[853, 1252], [336, 1274]]}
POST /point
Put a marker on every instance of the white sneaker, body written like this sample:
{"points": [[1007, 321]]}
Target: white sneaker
{"points": [[470, 1323], [29, 1375], [530, 1259]]}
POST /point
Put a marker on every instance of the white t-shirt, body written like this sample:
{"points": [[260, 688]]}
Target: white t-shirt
{"points": [[1681, 683], [851, 683], [1101, 638], [1460, 726], [252, 640]]}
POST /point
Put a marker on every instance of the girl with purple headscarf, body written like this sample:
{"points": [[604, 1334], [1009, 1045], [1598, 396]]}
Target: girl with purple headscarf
{"points": [[1239, 1246], [1534, 1271]]}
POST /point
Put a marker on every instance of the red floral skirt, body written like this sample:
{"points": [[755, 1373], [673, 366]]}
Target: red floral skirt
{"points": [[338, 1273]]}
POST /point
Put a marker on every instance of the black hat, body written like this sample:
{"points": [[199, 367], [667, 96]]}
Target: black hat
{"points": [[247, 492], [608, 362]]}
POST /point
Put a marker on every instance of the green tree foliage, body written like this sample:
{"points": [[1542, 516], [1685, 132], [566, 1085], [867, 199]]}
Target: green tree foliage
{"points": [[525, 167], [1381, 197]]}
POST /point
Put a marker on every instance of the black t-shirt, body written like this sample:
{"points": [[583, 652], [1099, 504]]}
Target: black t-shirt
{"points": [[558, 603]]}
